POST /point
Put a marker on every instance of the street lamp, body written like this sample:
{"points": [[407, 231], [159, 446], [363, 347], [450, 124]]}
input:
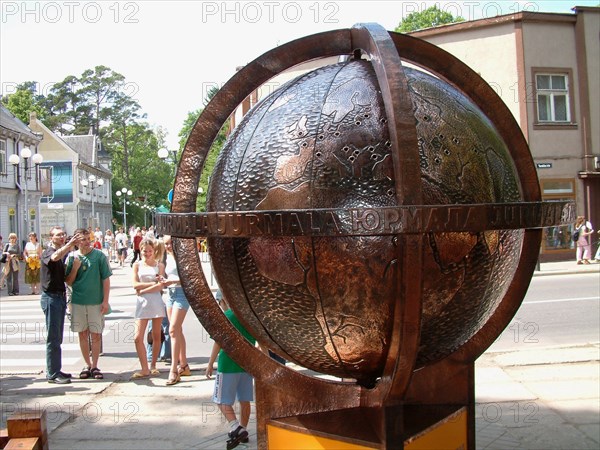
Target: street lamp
{"points": [[93, 183], [163, 154], [125, 193], [15, 160]]}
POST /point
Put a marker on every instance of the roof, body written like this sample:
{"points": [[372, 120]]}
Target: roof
{"points": [[9, 122], [84, 146], [524, 16]]}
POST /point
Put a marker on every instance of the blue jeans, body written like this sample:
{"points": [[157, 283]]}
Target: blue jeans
{"points": [[54, 306], [165, 349]]}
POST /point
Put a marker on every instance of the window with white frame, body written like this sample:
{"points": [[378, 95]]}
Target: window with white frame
{"points": [[552, 91], [3, 156]]}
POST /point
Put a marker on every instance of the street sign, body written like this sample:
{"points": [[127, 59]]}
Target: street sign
{"points": [[170, 196]]}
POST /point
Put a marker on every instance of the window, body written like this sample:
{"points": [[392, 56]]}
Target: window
{"points": [[558, 238], [552, 98], [2, 156]]}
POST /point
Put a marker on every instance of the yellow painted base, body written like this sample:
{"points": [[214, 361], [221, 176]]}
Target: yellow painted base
{"points": [[447, 434], [282, 439]]}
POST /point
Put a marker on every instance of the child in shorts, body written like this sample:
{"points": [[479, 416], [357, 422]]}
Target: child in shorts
{"points": [[232, 381]]}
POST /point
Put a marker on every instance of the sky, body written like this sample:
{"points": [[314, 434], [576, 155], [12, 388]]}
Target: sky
{"points": [[172, 52]]}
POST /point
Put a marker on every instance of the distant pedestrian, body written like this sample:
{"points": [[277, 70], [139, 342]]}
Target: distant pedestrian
{"points": [[54, 302], [98, 237], [88, 273], [33, 255], [121, 244], [137, 238], [11, 253], [109, 245], [232, 381], [584, 242], [2, 260]]}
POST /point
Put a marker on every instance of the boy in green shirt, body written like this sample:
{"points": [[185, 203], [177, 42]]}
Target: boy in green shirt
{"points": [[232, 381], [88, 274]]}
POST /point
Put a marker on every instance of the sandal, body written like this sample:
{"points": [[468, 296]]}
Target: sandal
{"points": [[97, 374], [139, 376], [154, 372], [85, 373], [172, 381], [185, 371]]}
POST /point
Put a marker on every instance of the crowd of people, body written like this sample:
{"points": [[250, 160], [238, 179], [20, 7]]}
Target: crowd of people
{"points": [[73, 274]]}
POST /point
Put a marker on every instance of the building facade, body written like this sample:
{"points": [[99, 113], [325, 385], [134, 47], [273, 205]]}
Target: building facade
{"points": [[20, 184], [546, 68], [76, 181]]}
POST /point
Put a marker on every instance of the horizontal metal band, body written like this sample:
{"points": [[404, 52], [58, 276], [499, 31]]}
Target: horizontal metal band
{"points": [[368, 221]]}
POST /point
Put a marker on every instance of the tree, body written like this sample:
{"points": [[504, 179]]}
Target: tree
{"points": [[213, 153], [24, 101], [431, 17]]}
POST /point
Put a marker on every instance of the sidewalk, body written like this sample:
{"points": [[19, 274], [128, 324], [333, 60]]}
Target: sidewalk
{"points": [[547, 399]]}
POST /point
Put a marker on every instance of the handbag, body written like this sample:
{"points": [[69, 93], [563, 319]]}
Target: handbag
{"points": [[4, 255]]}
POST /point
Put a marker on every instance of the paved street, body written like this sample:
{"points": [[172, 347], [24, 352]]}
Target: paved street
{"points": [[540, 398]]}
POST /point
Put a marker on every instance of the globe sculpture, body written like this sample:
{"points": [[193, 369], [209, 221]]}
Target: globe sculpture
{"points": [[322, 142], [369, 221]]}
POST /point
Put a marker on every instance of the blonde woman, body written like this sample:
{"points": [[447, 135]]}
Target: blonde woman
{"points": [[33, 256], [109, 245], [148, 282], [12, 251]]}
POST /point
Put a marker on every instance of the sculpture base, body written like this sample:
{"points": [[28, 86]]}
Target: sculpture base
{"points": [[421, 427]]}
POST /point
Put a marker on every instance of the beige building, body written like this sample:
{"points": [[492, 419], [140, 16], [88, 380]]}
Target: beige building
{"points": [[76, 181], [546, 68]]}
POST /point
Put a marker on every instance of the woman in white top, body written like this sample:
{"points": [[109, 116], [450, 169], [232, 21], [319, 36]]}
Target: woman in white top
{"points": [[148, 282], [33, 258], [109, 243]]}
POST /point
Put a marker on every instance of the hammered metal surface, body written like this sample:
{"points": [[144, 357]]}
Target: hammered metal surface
{"points": [[321, 141]]}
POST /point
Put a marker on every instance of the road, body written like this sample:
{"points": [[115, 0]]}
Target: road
{"points": [[560, 310]]}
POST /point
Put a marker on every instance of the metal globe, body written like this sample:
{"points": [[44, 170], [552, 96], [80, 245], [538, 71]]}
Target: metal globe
{"points": [[322, 141]]}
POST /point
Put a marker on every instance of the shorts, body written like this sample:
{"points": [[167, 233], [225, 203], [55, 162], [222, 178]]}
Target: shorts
{"points": [[122, 251], [107, 245], [84, 317], [230, 385], [175, 298]]}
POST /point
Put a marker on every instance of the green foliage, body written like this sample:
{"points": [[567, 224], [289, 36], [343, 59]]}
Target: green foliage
{"points": [[97, 101], [24, 101], [431, 17], [213, 153]]}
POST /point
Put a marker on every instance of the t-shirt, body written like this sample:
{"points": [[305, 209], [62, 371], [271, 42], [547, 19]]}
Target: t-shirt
{"points": [[52, 273], [121, 239], [136, 242], [87, 287], [225, 363]]}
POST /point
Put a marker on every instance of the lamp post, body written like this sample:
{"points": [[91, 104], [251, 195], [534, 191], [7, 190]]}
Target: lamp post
{"points": [[164, 154], [125, 193], [15, 160], [93, 183]]}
